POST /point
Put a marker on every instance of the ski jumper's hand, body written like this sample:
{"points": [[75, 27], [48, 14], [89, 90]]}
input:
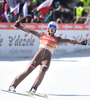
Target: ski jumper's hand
{"points": [[17, 24], [79, 42], [84, 42]]}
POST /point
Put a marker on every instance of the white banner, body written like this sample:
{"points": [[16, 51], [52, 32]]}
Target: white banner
{"points": [[78, 35], [16, 43]]}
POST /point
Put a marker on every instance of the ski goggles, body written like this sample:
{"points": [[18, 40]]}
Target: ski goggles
{"points": [[52, 26]]}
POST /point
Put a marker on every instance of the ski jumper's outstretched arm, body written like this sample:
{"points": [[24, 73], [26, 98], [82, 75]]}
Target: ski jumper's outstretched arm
{"points": [[60, 40], [17, 24]]}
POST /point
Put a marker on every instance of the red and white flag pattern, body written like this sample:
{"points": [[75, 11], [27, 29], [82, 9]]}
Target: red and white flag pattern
{"points": [[44, 7]]}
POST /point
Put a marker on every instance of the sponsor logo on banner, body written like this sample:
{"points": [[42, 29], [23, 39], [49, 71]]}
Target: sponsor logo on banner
{"points": [[18, 41], [78, 27], [87, 27], [26, 35], [61, 34], [3, 26], [88, 34], [67, 26], [30, 26], [42, 26]]}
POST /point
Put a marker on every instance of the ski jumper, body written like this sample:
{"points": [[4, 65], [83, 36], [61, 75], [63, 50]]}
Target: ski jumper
{"points": [[46, 48], [42, 57]]}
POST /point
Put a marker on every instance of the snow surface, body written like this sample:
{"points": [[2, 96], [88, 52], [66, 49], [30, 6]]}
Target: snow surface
{"points": [[68, 77]]}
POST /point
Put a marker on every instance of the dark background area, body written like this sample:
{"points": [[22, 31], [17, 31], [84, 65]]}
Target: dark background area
{"points": [[68, 3]]}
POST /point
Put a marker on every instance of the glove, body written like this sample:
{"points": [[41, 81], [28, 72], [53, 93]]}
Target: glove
{"points": [[17, 24], [84, 42]]}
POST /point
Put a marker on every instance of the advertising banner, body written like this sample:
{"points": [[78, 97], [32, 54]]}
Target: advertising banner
{"points": [[17, 43]]}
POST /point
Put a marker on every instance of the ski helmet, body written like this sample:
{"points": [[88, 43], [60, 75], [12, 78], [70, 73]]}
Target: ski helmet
{"points": [[53, 24]]}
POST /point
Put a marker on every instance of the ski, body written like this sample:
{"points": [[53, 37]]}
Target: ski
{"points": [[26, 93]]}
